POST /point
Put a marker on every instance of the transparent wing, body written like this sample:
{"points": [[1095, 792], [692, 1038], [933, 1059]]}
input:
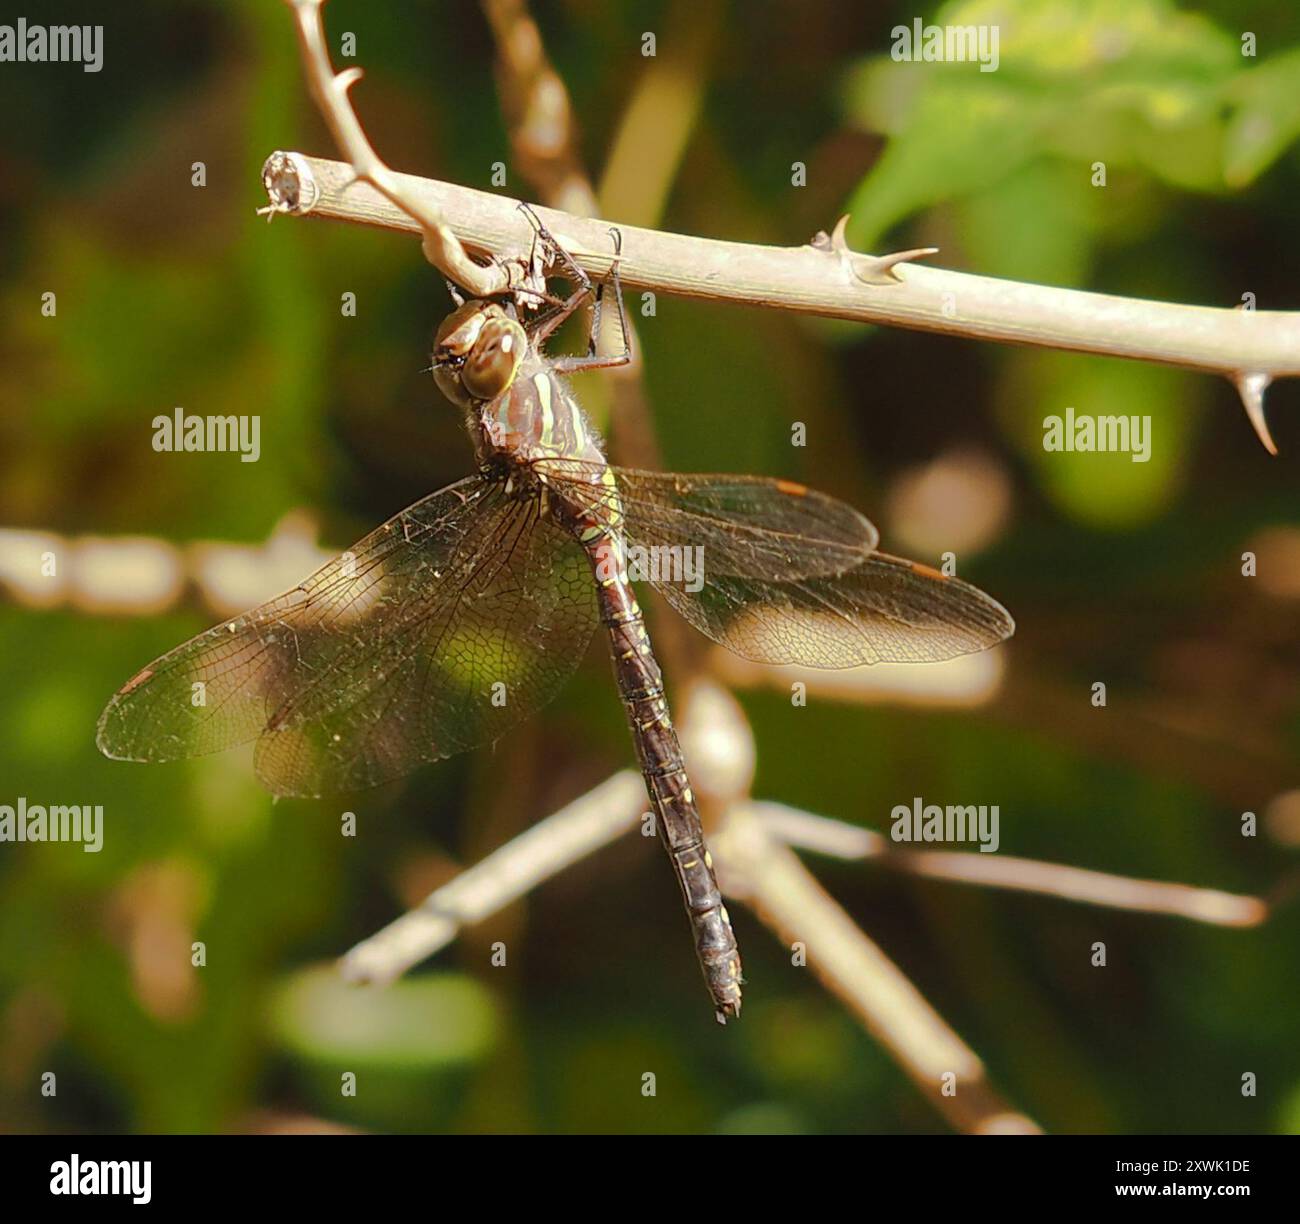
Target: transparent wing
{"points": [[782, 574], [735, 525], [438, 631], [884, 610]]}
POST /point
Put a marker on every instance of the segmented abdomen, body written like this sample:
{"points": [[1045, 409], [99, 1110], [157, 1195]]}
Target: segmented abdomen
{"points": [[640, 685]]}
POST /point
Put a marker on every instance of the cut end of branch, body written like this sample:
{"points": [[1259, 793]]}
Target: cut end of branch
{"points": [[1251, 387], [372, 964], [290, 185], [355, 972]]}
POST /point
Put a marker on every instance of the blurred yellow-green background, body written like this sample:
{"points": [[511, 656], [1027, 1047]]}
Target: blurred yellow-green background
{"points": [[1124, 573]]}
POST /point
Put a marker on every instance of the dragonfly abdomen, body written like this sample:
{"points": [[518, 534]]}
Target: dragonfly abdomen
{"points": [[640, 684]]}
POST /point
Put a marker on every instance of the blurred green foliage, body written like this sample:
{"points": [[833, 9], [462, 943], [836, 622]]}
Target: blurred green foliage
{"points": [[1128, 573]]}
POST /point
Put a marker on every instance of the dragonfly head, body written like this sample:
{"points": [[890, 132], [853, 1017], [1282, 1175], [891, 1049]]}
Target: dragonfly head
{"points": [[477, 352]]}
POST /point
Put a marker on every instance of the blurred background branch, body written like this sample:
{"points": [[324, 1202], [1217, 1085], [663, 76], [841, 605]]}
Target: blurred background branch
{"points": [[562, 839], [804, 831]]}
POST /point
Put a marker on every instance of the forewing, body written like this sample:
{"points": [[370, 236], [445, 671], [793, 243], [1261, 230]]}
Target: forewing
{"points": [[884, 610], [489, 643], [401, 604]]}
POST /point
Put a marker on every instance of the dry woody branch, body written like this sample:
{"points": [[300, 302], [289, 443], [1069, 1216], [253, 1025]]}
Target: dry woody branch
{"points": [[824, 277]]}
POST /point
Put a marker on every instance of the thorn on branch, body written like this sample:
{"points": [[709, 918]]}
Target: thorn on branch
{"points": [[869, 269], [1251, 386], [348, 77]]}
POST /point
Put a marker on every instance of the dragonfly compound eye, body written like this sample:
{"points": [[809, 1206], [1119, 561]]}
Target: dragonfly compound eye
{"points": [[477, 352], [493, 362]]}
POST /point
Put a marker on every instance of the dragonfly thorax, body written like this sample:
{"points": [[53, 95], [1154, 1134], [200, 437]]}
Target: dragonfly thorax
{"points": [[477, 353]]}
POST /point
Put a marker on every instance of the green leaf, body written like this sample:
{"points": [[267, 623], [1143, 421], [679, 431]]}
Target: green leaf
{"points": [[1132, 84], [1265, 120]]}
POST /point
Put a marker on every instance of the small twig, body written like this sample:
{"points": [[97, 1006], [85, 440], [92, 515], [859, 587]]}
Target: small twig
{"points": [[835, 838], [562, 839], [825, 278], [330, 89], [768, 877], [758, 869]]}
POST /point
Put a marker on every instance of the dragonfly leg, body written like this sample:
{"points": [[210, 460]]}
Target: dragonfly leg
{"points": [[542, 327], [593, 361], [558, 310], [556, 255]]}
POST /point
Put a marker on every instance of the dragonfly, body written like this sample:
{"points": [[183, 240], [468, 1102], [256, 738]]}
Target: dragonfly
{"points": [[465, 613]]}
